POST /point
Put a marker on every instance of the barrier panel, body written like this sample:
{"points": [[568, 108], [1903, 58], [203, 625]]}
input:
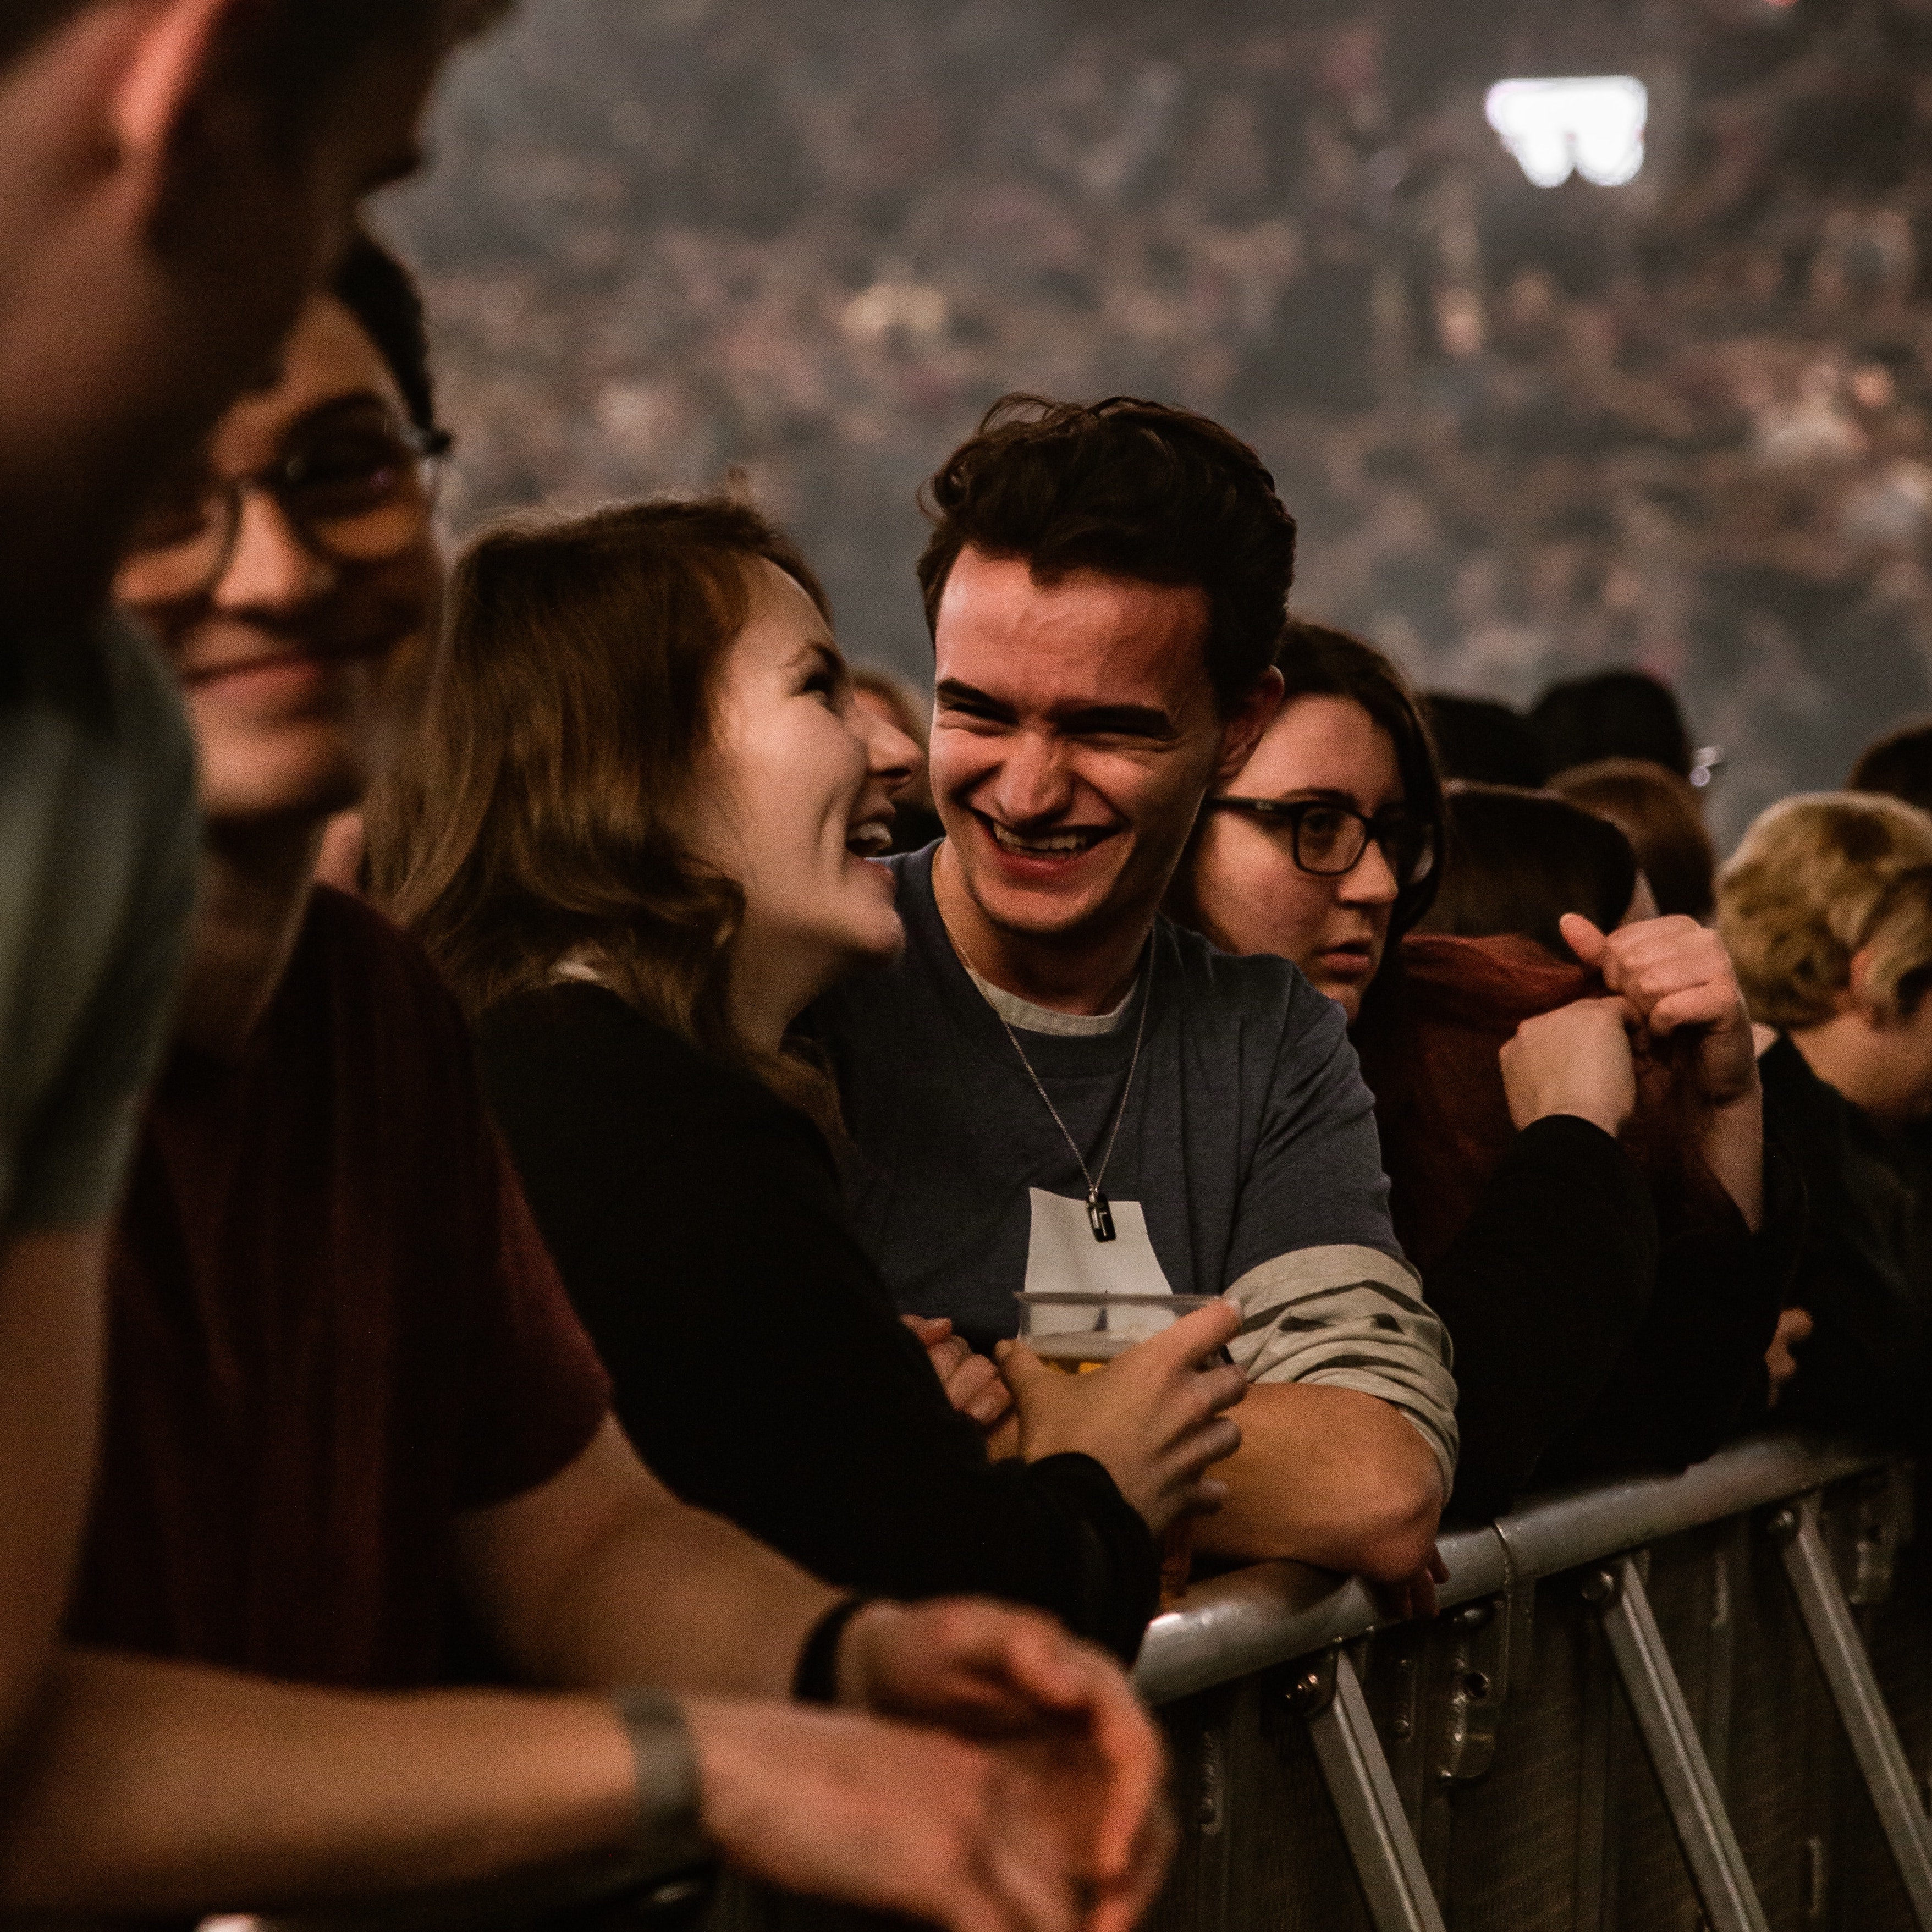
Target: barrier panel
{"points": [[1647, 1706]]}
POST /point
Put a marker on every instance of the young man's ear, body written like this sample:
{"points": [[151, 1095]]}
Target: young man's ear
{"points": [[1242, 732], [164, 82]]}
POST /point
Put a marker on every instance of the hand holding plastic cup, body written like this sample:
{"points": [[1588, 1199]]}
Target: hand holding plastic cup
{"points": [[1077, 1333]]}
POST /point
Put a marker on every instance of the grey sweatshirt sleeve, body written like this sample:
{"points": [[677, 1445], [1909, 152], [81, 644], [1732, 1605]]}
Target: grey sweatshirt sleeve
{"points": [[1352, 1318]]}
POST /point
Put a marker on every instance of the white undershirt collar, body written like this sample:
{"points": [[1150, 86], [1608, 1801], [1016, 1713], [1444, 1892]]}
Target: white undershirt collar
{"points": [[1030, 1019]]}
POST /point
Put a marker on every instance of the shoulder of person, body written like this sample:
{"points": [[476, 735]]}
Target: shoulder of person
{"points": [[379, 980], [1246, 988]]}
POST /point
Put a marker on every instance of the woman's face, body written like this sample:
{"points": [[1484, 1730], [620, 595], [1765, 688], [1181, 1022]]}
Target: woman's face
{"points": [[796, 790], [1252, 897], [284, 657]]}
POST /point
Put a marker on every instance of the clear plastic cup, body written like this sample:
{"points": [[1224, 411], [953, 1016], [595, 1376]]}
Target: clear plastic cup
{"points": [[1077, 1333]]}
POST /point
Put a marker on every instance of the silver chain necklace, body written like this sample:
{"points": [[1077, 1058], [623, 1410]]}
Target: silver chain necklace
{"points": [[1099, 1210]]}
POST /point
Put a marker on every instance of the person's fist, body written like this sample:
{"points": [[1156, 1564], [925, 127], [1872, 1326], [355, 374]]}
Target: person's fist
{"points": [[1577, 1061], [1678, 978]]}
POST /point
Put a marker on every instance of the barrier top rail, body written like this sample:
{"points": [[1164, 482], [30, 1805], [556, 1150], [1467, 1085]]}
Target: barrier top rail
{"points": [[1272, 1613]]}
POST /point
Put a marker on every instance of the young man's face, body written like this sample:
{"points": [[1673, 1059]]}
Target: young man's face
{"points": [[1074, 733]]}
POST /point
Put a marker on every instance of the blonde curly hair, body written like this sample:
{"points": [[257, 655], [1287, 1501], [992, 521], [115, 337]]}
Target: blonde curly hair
{"points": [[1817, 879]]}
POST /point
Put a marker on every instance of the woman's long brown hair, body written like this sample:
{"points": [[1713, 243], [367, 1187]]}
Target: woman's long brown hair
{"points": [[533, 816]]}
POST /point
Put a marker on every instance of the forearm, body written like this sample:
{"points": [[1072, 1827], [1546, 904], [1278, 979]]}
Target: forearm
{"points": [[52, 1293], [694, 1605], [602, 1578], [1733, 1144], [154, 1788], [1329, 1476]]}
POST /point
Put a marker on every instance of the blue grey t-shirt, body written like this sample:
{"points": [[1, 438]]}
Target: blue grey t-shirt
{"points": [[1247, 1162]]}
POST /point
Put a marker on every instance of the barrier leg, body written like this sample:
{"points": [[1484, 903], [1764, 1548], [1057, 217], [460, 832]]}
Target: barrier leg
{"points": [[1388, 1861], [1848, 1673], [1676, 1754]]}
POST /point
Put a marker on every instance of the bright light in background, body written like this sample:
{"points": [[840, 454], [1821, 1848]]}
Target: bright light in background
{"points": [[1593, 125]]}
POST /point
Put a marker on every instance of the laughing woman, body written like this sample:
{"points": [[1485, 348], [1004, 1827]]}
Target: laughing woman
{"points": [[655, 802]]}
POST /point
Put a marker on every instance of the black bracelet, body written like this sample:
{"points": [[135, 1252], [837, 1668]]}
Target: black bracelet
{"points": [[816, 1679]]}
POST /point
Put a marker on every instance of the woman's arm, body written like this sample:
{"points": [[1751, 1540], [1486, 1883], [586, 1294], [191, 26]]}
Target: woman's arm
{"points": [[1542, 1290], [760, 1368]]}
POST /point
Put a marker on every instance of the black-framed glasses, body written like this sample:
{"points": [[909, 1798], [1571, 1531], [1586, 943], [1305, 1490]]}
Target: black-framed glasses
{"points": [[1328, 840], [357, 485]]}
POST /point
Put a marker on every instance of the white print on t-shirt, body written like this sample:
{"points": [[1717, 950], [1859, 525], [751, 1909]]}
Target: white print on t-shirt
{"points": [[1063, 1257]]}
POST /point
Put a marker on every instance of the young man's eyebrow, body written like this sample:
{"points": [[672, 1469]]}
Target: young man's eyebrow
{"points": [[950, 690]]}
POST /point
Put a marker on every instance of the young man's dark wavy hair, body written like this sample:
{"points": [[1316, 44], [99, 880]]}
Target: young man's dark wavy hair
{"points": [[1131, 489]]}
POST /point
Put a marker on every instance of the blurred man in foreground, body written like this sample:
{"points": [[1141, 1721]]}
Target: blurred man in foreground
{"points": [[174, 175]]}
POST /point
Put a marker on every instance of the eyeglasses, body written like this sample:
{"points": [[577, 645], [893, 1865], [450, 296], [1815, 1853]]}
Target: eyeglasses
{"points": [[1328, 840], [358, 486]]}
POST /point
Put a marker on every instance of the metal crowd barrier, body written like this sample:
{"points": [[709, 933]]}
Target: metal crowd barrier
{"points": [[1685, 1702], [1694, 1703]]}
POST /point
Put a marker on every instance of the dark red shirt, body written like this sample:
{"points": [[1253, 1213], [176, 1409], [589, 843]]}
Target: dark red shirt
{"points": [[334, 1326]]}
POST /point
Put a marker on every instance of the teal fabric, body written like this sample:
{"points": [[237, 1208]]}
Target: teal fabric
{"points": [[98, 846]]}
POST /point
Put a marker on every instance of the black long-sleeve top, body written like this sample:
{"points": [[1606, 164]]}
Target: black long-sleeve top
{"points": [[1593, 1334], [759, 1367], [1864, 1274]]}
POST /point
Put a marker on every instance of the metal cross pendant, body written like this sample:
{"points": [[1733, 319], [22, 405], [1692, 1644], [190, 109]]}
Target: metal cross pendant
{"points": [[1100, 1215]]}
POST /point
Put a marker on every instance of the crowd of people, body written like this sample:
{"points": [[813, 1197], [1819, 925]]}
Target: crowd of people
{"points": [[533, 1100]]}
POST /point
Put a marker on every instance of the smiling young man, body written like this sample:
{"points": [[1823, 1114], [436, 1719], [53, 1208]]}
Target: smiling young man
{"points": [[174, 175], [1057, 1088]]}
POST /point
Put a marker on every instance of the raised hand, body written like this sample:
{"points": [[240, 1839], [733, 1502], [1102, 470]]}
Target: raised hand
{"points": [[1677, 979], [1576, 1060], [971, 1381], [1154, 1417], [1676, 975]]}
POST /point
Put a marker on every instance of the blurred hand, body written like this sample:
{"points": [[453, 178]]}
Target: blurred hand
{"points": [[1059, 1715], [969, 1837], [1576, 1060], [1154, 1417], [1676, 975], [971, 1381], [1414, 1598], [1794, 1327]]}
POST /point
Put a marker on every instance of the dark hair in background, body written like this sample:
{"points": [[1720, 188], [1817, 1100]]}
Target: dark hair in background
{"points": [[1614, 714], [1136, 489], [1899, 765], [1316, 661], [1656, 812], [1483, 741], [1518, 861], [382, 295], [560, 736]]}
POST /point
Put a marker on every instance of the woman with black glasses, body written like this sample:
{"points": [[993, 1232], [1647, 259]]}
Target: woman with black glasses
{"points": [[1585, 1198]]}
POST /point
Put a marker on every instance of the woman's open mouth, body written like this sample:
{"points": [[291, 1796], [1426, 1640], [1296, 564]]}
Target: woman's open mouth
{"points": [[870, 839]]}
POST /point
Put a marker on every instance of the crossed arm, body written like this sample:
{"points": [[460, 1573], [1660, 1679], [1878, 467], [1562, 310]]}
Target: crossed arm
{"points": [[1330, 1476]]}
